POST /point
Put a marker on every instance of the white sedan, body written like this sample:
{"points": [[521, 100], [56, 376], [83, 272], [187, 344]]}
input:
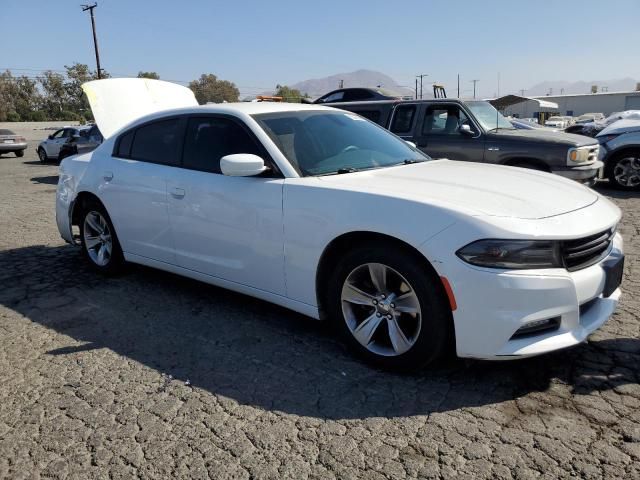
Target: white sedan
{"points": [[325, 213]]}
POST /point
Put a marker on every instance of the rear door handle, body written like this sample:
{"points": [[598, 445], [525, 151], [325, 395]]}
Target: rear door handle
{"points": [[108, 176], [177, 193]]}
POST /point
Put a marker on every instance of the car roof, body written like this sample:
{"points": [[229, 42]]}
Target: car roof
{"points": [[248, 108]]}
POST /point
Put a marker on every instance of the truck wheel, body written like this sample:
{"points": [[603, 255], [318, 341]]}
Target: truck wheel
{"points": [[623, 171]]}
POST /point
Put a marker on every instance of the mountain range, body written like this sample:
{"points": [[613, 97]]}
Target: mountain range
{"points": [[369, 78]]}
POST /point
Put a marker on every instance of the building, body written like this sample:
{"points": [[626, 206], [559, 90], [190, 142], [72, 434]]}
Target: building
{"points": [[574, 105]]}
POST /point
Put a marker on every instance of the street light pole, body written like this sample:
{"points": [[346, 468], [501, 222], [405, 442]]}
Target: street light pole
{"points": [[420, 77], [95, 38], [474, 87]]}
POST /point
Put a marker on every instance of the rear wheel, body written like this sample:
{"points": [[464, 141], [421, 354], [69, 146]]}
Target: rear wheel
{"points": [[623, 171], [42, 155], [388, 308], [100, 244], [19, 153]]}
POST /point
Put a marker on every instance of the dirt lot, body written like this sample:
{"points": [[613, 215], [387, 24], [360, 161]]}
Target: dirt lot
{"points": [[153, 376]]}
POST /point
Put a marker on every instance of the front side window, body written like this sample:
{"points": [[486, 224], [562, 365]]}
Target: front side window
{"points": [[357, 95], [58, 134], [488, 116], [209, 139], [321, 143], [157, 142], [444, 120], [403, 119]]}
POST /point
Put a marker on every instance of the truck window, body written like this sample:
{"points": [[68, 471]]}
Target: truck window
{"points": [[373, 115], [444, 120], [403, 119]]}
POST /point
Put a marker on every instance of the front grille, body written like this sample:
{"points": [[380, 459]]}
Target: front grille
{"points": [[586, 251], [593, 154]]}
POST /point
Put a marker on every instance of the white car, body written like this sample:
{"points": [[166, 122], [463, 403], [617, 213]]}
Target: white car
{"points": [[558, 122], [323, 212], [49, 148]]}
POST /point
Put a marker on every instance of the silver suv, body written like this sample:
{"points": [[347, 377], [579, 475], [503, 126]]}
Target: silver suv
{"points": [[49, 149]]}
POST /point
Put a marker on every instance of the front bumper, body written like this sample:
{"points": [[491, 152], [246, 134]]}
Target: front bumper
{"points": [[12, 147], [584, 173], [492, 305]]}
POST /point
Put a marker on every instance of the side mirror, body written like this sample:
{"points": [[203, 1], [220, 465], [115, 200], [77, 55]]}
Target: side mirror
{"points": [[466, 130], [50, 137], [411, 144], [242, 165]]}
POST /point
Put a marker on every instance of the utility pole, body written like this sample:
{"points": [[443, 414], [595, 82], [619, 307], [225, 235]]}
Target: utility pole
{"points": [[474, 86], [522, 90], [421, 77], [341, 85], [458, 85], [416, 88], [95, 38]]}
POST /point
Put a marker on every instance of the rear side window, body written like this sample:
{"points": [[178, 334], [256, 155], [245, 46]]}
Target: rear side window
{"points": [[124, 146], [403, 119], [358, 94], [209, 139], [157, 142], [373, 115]]}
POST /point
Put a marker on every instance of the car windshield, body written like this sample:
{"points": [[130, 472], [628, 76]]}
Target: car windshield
{"points": [[325, 142], [6, 132], [488, 116]]}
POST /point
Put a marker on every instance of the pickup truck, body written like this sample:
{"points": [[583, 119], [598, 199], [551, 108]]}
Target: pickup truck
{"points": [[475, 131]]}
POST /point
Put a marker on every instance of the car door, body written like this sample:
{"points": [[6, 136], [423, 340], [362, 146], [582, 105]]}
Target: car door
{"points": [[134, 188], [53, 143], [227, 227], [438, 133]]}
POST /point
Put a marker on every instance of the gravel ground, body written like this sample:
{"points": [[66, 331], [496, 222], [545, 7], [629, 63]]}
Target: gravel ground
{"points": [[150, 375]]}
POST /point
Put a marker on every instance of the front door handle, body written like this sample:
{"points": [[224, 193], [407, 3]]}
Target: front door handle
{"points": [[177, 193], [108, 176]]}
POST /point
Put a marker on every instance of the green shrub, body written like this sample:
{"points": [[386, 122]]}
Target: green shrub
{"points": [[13, 117]]}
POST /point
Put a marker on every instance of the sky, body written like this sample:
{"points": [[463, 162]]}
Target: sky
{"points": [[258, 44]]}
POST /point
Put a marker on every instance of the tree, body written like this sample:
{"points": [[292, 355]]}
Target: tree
{"points": [[76, 101], [289, 94], [54, 93], [152, 75], [209, 89]]}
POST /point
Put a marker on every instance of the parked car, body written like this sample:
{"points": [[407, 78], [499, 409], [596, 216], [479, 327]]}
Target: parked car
{"points": [[591, 129], [620, 144], [49, 148], [589, 117], [560, 122], [475, 131], [356, 95], [12, 143], [325, 213], [85, 141], [526, 125]]}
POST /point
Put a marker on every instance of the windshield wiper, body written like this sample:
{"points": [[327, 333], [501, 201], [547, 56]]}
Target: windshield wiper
{"points": [[409, 161], [346, 170]]}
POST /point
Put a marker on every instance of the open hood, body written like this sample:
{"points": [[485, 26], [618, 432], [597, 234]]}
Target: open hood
{"points": [[116, 102], [627, 125]]}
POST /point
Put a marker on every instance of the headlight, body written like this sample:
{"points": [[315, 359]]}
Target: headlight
{"points": [[582, 154], [513, 254]]}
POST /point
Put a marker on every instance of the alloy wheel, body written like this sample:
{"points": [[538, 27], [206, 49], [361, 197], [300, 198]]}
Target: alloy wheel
{"points": [[42, 155], [381, 309], [97, 238], [627, 171]]}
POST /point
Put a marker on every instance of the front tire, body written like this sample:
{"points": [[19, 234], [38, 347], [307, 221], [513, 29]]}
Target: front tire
{"points": [[100, 245], [388, 308], [42, 155], [19, 153], [623, 171]]}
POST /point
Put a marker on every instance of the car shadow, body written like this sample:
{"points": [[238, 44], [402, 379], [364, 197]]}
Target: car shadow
{"points": [[48, 180], [606, 189], [266, 356]]}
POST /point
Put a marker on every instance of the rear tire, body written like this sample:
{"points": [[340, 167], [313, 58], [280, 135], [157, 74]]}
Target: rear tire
{"points": [[19, 153], [100, 245], [42, 155], [623, 171], [388, 308]]}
